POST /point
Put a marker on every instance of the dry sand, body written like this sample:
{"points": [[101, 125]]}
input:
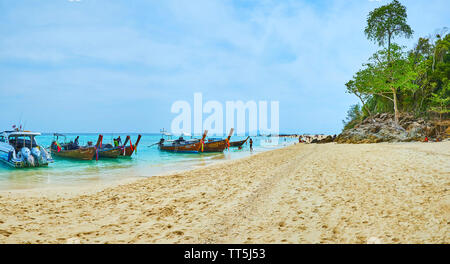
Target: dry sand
{"points": [[389, 193]]}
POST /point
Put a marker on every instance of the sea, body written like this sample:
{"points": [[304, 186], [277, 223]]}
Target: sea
{"points": [[147, 161]]}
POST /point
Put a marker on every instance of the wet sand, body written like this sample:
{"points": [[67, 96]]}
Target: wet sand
{"points": [[330, 193]]}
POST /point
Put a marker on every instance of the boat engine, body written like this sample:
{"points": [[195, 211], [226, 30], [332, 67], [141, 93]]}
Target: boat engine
{"points": [[45, 156], [26, 156], [37, 155]]}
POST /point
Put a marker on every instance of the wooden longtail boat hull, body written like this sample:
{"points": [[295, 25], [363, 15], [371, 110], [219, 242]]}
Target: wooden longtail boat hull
{"points": [[238, 143], [81, 153], [215, 146], [127, 150], [189, 148], [185, 147], [109, 153]]}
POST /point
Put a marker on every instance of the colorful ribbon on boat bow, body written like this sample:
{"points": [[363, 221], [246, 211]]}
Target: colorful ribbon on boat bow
{"points": [[96, 153], [202, 142], [122, 148], [58, 147], [227, 143]]}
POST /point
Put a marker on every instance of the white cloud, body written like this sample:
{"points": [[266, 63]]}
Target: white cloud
{"points": [[300, 53]]}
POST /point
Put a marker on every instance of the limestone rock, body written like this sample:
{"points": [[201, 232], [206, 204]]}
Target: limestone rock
{"points": [[382, 128]]}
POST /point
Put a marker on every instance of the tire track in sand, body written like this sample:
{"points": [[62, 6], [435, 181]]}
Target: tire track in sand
{"points": [[227, 228]]}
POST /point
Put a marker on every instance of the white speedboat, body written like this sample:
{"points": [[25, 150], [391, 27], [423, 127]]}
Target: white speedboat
{"points": [[19, 149]]}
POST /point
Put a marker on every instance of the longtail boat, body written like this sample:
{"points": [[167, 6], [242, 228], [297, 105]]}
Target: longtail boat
{"points": [[181, 145], [213, 144], [238, 143], [73, 151], [218, 145], [127, 151], [109, 151]]}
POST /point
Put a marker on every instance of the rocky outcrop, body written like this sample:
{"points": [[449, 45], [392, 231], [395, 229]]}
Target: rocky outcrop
{"points": [[382, 128], [328, 139]]}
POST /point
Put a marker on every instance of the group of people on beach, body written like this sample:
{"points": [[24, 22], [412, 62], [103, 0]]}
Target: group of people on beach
{"points": [[313, 139], [429, 140]]}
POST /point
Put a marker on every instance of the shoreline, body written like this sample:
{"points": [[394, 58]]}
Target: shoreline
{"points": [[90, 188], [113, 177], [303, 193]]}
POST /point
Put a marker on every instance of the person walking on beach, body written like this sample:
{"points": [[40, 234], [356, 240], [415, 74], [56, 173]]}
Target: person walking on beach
{"points": [[251, 144]]}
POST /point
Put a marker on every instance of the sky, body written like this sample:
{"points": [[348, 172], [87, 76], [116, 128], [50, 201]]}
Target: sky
{"points": [[118, 66]]}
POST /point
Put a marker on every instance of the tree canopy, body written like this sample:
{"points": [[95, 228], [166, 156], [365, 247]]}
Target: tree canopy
{"points": [[395, 80], [387, 22]]}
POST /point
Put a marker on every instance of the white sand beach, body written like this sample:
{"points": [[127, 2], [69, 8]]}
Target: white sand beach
{"points": [[305, 193]]}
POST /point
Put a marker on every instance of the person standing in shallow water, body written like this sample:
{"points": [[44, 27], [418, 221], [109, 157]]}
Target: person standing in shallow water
{"points": [[251, 144]]}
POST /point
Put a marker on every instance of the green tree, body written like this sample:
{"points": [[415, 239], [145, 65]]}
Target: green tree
{"points": [[393, 74], [354, 116], [441, 101], [385, 78], [441, 49], [421, 50], [358, 88], [393, 80], [387, 22], [441, 46]]}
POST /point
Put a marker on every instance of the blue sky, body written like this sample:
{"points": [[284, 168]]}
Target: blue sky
{"points": [[117, 66]]}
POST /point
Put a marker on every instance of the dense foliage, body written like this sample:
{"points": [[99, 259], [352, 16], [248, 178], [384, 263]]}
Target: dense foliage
{"points": [[354, 116], [395, 80]]}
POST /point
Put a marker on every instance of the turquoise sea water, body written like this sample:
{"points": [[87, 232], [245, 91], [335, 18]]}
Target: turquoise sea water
{"points": [[148, 161]]}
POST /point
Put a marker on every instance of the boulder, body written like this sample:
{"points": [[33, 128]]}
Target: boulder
{"points": [[328, 139]]}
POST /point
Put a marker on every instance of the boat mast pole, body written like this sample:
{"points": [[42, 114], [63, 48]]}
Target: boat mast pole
{"points": [[231, 133]]}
